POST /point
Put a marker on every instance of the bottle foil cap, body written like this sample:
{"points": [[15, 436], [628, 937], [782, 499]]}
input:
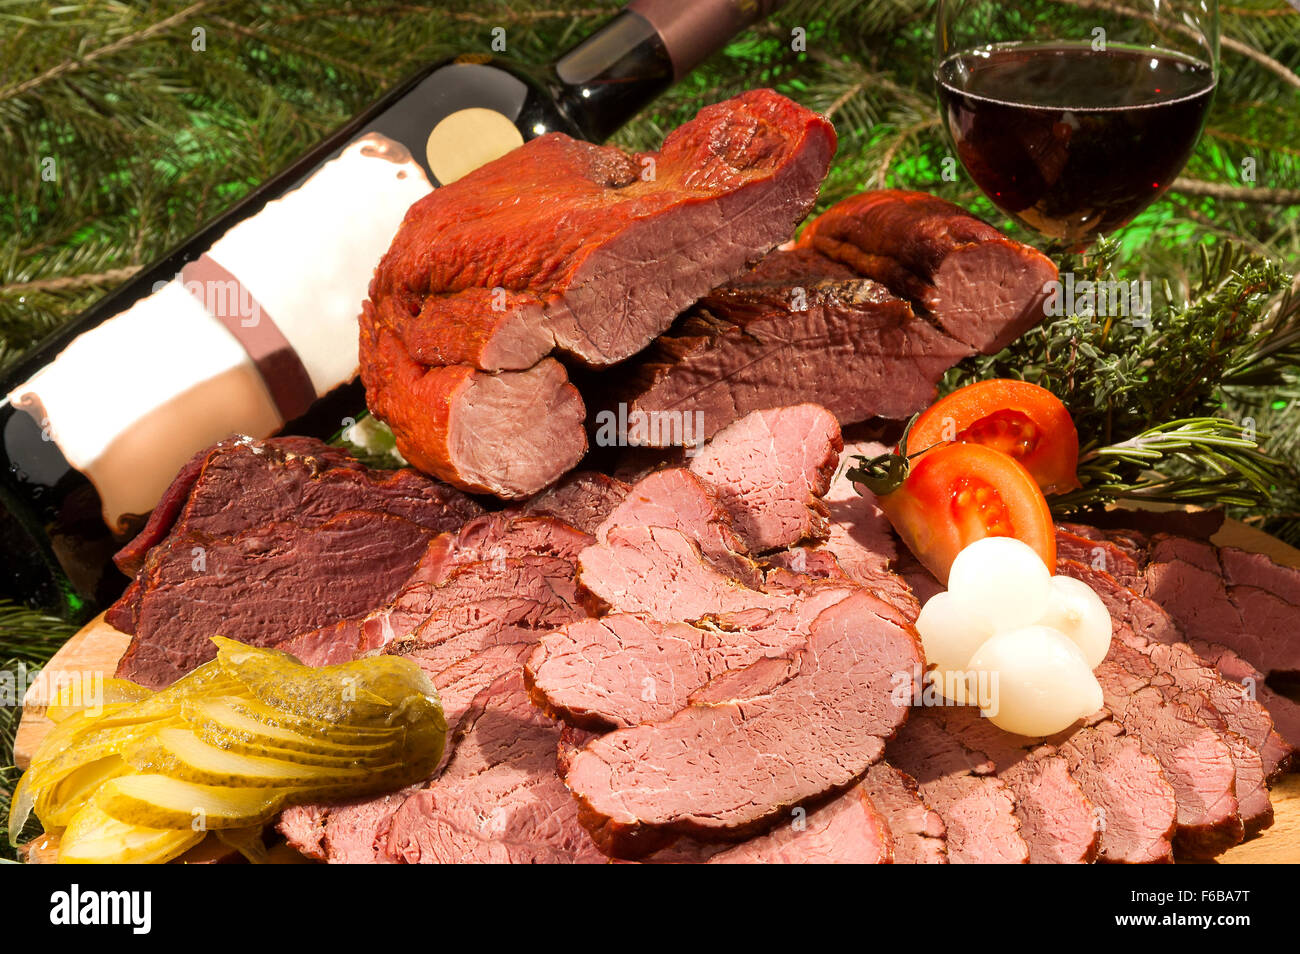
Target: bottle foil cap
{"points": [[692, 30]]}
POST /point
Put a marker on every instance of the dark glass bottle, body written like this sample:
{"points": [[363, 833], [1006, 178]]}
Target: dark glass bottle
{"points": [[56, 540]]}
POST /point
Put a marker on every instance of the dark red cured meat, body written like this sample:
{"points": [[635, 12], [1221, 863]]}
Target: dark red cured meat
{"points": [[549, 247], [293, 532], [980, 286], [850, 346]]}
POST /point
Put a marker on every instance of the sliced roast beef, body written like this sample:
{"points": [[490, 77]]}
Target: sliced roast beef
{"points": [[981, 287], [1280, 751], [356, 831], [849, 346], [916, 830], [582, 499], [623, 670], [1185, 577], [1195, 760], [352, 832], [677, 499], [293, 533], [771, 469], [860, 536], [549, 247], [661, 573], [478, 606], [499, 798], [1194, 681], [1057, 821], [754, 742], [847, 830], [1243, 568], [786, 568], [1195, 524], [977, 808], [1100, 554], [543, 543], [1135, 804], [918, 579], [460, 683]]}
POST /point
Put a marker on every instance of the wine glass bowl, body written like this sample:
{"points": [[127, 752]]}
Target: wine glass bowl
{"points": [[1073, 116]]}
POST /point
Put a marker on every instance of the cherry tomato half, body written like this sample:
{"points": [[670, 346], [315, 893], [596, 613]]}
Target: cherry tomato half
{"points": [[959, 493], [1019, 419]]}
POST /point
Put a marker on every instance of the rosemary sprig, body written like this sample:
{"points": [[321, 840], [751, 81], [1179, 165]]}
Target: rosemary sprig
{"points": [[1206, 460], [1171, 406]]}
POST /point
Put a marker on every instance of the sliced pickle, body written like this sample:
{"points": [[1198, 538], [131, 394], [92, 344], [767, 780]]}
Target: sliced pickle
{"points": [[21, 803], [179, 753], [236, 721], [156, 801], [57, 803], [228, 745], [94, 837], [362, 692], [95, 744], [69, 700], [65, 733], [358, 757], [307, 725]]}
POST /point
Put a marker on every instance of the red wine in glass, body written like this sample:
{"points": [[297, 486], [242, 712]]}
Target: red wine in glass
{"points": [[1071, 141]]}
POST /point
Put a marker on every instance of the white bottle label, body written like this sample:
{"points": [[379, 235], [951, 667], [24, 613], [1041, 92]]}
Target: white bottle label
{"points": [[129, 402]]}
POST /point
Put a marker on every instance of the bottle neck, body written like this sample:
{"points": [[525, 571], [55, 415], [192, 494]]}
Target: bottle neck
{"points": [[617, 71]]}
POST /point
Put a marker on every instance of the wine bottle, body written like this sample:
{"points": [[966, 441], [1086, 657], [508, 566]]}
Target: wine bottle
{"points": [[249, 326]]}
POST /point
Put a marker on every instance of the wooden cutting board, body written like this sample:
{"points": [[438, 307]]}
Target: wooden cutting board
{"points": [[97, 647]]}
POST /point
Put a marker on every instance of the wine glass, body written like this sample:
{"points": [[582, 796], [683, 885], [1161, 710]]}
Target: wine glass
{"points": [[1073, 116]]}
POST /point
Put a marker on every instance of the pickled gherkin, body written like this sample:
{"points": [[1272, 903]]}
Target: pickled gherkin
{"points": [[141, 776]]}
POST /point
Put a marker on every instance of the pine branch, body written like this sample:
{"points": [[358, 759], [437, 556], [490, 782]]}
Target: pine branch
{"points": [[72, 65], [1283, 72], [111, 277], [1237, 193]]}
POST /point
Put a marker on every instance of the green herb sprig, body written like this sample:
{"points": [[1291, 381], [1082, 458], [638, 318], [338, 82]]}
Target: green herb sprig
{"points": [[1183, 405]]}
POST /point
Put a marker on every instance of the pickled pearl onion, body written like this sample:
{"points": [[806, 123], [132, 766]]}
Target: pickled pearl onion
{"points": [[1076, 610], [1044, 683], [1001, 581]]}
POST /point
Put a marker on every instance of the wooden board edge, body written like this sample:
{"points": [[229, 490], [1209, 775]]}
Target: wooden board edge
{"points": [[91, 654]]}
